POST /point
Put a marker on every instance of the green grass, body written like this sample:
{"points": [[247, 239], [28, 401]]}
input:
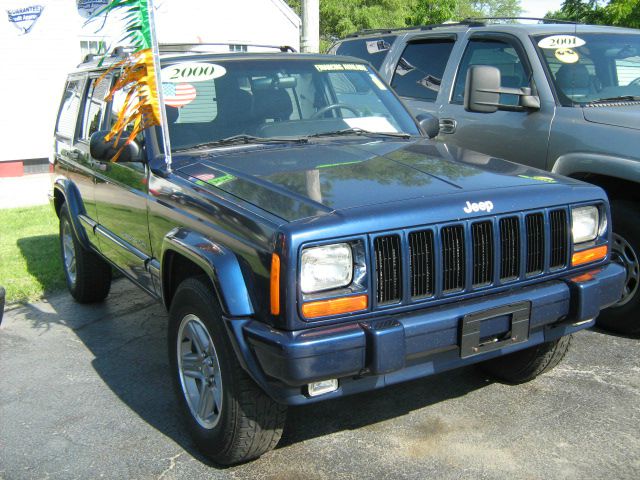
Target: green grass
{"points": [[29, 253]]}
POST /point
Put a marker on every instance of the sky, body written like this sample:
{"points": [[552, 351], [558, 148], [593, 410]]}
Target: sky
{"points": [[538, 8]]}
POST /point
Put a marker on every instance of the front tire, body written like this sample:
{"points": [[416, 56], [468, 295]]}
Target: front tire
{"points": [[88, 276], [624, 316], [527, 364], [230, 418]]}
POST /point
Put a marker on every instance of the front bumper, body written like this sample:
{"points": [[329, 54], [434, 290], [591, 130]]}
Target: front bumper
{"points": [[395, 348]]}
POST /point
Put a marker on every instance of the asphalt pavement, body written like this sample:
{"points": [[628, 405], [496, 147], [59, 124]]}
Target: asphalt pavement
{"points": [[85, 393]]}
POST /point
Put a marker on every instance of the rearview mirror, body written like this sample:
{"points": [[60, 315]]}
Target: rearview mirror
{"points": [[483, 89], [429, 124], [105, 150]]}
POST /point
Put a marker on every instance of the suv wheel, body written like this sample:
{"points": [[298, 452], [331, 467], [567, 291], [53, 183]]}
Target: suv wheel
{"points": [[231, 419], [527, 364], [624, 316], [88, 275]]}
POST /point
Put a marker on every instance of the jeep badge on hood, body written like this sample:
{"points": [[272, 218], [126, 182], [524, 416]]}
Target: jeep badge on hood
{"points": [[480, 206]]}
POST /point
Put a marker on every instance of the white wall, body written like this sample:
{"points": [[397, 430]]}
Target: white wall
{"points": [[33, 66], [32, 73]]}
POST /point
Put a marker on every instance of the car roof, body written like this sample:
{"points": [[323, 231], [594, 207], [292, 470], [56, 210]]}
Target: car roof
{"points": [[95, 64], [530, 29]]}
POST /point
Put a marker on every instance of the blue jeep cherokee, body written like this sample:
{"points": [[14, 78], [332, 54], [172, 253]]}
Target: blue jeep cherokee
{"points": [[309, 241]]}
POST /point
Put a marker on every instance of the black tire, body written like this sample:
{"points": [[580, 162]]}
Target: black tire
{"points": [[624, 317], [249, 423], [525, 365], [92, 279]]}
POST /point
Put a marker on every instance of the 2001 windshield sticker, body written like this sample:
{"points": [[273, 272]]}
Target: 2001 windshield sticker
{"points": [[192, 72], [561, 41], [25, 18], [340, 67]]}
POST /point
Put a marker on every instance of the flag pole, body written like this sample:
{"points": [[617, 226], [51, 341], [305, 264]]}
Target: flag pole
{"points": [[155, 48]]}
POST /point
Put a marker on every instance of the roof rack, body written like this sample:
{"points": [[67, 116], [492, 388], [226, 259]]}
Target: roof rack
{"points": [[540, 20], [200, 47], [467, 22]]}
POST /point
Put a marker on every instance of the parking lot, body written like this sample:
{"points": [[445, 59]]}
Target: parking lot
{"points": [[85, 393]]}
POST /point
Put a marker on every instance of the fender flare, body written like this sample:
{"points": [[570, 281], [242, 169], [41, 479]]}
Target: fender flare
{"points": [[73, 199], [600, 164], [217, 261]]}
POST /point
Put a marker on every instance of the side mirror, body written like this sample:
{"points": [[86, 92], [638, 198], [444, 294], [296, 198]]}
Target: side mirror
{"points": [[104, 150], [429, 124], [483, 88]]}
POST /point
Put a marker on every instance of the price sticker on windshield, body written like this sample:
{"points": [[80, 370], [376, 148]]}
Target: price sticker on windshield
{"points": [[561, 41], [337, 67], [567, 55], [191, 72]]}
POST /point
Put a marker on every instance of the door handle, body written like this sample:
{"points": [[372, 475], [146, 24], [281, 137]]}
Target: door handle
{"points": [[448, 125]]}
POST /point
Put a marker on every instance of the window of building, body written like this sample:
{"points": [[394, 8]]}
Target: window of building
{"points": [[237, 48]]}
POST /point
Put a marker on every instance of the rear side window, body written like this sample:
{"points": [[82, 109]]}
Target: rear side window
{"points": [[420, 69], [371, 49], [94, 107], [69, 107]]}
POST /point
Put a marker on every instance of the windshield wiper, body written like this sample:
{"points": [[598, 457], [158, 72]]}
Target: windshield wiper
{"points": [[621, 98], [243, 139], [359, 131]]}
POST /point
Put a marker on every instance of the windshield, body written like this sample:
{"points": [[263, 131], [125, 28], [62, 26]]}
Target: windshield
{"points": [[592, 67], [207, 101]]}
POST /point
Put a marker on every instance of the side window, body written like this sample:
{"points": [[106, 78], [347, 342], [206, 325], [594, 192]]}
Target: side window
{"points": [[495, 53], [372, 49], [68, 114], [115, 108], [94, 107], [420, 69]]}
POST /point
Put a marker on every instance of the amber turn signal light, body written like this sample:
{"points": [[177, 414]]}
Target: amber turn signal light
{"points": [[335, 306], [589, 255], [275, 284]]}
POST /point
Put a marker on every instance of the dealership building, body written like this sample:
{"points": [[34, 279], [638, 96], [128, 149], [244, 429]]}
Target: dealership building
{"points": [[42, 40]]}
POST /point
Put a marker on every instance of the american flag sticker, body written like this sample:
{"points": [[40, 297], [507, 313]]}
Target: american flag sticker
{"points": [[178, 94]]}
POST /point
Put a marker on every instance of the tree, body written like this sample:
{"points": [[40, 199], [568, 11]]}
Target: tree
{"points": [[621, 13], [341, 17]]}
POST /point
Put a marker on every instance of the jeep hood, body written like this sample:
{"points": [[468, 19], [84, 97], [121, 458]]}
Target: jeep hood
{"points": [[627, 116], [297, 181]]}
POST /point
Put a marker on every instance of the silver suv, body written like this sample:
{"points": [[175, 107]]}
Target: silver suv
{"points": [[557, 96]]}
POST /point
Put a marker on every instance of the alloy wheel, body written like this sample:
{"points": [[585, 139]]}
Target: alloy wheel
{"points": [[199, 370]]}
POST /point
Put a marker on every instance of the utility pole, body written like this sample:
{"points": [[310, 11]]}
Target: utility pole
{"points": [[310, 26]]}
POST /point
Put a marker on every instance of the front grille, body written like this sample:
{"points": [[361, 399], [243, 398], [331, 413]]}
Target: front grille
{"points": [[482, 238], [421, 264], [388, 269], [559, 240], [509, 248], [453, 259], [518, 247], [535, 243]]}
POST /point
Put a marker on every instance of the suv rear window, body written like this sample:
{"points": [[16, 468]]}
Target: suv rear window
{"points": [[69, 107], [371, 49], [420, 69]]}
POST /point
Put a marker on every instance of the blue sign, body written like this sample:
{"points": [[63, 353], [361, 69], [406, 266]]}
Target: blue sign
{"points": [[86, 8], [25, 18]]}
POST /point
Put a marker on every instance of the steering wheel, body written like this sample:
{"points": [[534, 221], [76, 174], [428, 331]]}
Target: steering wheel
{"points": [[635, 82], [335, 106]]}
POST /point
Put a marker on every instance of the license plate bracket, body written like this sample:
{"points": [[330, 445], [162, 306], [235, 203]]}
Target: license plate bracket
{"points": [[470, 341]]}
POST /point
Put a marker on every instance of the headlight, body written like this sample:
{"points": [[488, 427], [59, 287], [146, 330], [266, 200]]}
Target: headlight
{"points": [[585, 224], [326, 267]]}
